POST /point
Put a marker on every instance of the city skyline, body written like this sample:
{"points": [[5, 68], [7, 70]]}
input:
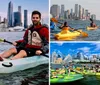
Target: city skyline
{"points": [[27, 5], [92, 5], [76, 13], [73, 48]]}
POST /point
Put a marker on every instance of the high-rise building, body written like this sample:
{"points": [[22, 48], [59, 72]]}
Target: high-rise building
{"points": [[76, 11], [19, 10], [62, 11], [55, 10], [16, 18], [54, 57], [10, 15], [93, 16], [80, 12], [0, 19], [86, 14], [83, 13], [71, 14], [25, 18]]}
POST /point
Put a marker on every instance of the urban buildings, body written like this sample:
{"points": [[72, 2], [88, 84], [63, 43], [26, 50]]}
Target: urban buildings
{"points": [[78, 13], [15, 18]]}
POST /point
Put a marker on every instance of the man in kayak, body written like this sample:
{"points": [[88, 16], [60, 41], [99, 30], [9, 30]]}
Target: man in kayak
{"points": [[92, 24], [35, 40]]}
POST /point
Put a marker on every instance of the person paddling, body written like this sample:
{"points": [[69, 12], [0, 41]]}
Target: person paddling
{"points": [[66, 27], [35, 40], [92, 24]]}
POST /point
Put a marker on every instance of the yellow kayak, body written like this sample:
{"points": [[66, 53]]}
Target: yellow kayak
{"points": [[67, 35], [91, 28]]}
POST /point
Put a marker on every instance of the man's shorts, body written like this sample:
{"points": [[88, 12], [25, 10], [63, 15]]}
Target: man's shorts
{"points": [[29, 51]]}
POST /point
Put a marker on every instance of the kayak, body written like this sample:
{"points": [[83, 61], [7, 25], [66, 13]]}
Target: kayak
{"points": [[67, 35], [66, 78], [91, 28], [88, 73], [9, 66]]}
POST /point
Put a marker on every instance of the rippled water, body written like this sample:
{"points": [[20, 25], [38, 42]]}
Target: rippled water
{"points": [[34, 76], [87, 80], [93, 35]]}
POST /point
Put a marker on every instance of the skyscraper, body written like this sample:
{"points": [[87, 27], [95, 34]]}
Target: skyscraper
{"points": [[16, 18], [86, 14], [76, 11], [10, 14], [62, 11], [25, 18], [55, 10], [19, 10], [80, 12], [93, 16], [0, 19]]}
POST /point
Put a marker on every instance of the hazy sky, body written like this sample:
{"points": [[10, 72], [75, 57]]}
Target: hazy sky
{"points": [[30, 5], [73, 48], [92, 5]]}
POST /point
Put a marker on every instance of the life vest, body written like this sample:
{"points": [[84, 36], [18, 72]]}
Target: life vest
{"points": [[34, 37]]}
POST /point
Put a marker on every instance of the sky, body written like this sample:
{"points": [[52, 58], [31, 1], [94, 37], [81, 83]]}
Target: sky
{"points": [[72, 48], [91, 5], [29, 5]]}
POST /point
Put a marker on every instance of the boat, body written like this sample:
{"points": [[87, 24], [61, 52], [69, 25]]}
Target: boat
{"points": [[66, 78], [91, 28], [9, 66], [66, 35]]}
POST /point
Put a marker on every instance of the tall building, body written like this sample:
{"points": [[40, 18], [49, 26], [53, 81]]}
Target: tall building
{"points": [[0, 19], [54, 57], [62, 11], [93, 16], [16, 18], [80, 12], [25, 18], [86, 14], [19, 10], [83, 13], [10, 15], [71, 14], [76, 11], [55, 10]]}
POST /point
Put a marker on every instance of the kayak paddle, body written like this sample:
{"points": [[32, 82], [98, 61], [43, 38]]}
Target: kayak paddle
{"points": [[4, 40], [84, 34]]}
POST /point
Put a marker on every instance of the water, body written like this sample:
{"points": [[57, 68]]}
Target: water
{"points": [[34, 76], [93, 35]]}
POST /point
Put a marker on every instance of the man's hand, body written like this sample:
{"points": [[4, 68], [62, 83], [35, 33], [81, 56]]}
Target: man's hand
{"points": [[14, 43], [38, 52]]}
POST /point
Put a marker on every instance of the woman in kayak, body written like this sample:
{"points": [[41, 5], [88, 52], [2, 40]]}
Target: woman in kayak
{"points": [[92, 24], [35, 40], [66, 27]]}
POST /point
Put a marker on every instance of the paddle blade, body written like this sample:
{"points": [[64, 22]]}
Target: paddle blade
{"points": [[1, 40], [84, 34], [54, 20]]}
